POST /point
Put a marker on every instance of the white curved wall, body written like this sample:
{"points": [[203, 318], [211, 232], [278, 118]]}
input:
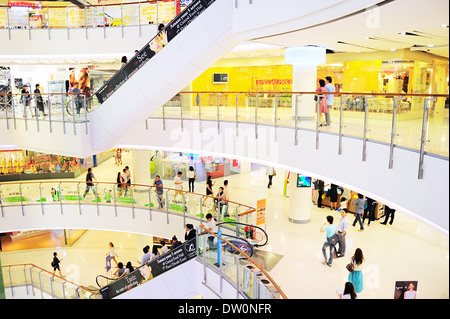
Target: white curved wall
{"points": [[398, 187], [76, 41]]}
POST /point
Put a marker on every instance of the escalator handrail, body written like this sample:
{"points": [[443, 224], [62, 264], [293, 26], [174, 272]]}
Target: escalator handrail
{"points": [[255, 245], [145, 54], [277, 287]]}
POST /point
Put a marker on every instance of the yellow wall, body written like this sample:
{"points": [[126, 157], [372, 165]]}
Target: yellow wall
{"points": [[361, 76]]}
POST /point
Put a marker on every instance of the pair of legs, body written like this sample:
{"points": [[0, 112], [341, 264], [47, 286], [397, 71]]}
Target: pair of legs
{"points": [[25, 106], [57, 268], [340, 252], [177, 192], [191, 184], [328, 261], [333, 205], [358, 219], [88, 187], [270, 181]]}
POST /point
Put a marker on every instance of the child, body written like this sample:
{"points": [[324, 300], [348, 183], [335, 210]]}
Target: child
{"points": [[108, 197], [344, 204]]}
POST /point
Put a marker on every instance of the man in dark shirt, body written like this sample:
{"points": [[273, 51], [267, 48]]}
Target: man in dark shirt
{"points": [[190, 232], [89, 182], [39, 100]]}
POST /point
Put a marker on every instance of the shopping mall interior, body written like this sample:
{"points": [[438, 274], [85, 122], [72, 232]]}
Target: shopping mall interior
{"points": [[234, 91]]}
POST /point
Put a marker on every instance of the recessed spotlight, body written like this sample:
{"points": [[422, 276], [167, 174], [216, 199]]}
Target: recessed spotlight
{"points": [[367, 38], [430, 45], [444, 25], [403, 33], [393, 49], [358, 51]]}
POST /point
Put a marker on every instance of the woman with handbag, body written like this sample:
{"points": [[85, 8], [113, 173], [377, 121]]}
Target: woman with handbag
{"points": [[355, 275]]}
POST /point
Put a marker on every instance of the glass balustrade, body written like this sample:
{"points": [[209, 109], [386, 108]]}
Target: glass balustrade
{"points": [[41, 283], [389, 118], [36, 16]]}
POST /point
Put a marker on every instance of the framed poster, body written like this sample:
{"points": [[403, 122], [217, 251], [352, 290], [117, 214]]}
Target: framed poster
{"points": [[261, 211], [405, 289]]}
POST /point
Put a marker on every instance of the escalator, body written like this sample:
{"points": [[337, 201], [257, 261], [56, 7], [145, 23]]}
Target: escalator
{"points": [[196, 38]]}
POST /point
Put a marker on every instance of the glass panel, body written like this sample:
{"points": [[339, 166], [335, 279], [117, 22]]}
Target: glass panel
{"points": [[3, 17], [94, 17], [69, 193], [130, 14], [438, 128], [140, 196], [57, 18], [30, 193], [76, 17], [11, 194], [353, 116], [379, 117]]}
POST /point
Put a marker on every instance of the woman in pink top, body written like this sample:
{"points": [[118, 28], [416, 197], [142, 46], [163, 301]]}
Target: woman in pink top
{"points": [[323, 108]]}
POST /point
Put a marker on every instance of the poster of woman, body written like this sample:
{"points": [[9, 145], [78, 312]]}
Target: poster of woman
{"points": [[405, 289]]}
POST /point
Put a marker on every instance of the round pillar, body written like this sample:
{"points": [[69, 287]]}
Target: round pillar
{"points": [[304, 62], [299, 201], [140, 172]]}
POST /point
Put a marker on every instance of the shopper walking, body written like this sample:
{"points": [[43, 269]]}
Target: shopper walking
{"points": [[178, 186], [120, 184], [359, 210], [321, 100], [356, 276], [112, 253], [369, 210], [331, 239], [209, 189], [89, 183], [270, 173], [25, 99], [330, 98], [39, 100], [342, 229], [226, 198], [159, 189], [320, 188], [55, 263], [192, 177]]}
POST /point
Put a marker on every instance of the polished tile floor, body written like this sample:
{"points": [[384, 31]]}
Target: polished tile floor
{"points": [[406, 250]]}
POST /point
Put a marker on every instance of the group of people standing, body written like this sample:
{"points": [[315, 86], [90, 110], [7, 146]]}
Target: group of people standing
{"points": [[325, 101], [25, 99]]}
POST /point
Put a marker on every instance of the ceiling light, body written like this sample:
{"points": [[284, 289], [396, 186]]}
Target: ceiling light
{"points": [[403, 33], [444, 25], [430, 45], [358, 51], [393, 49], [367, 38]]}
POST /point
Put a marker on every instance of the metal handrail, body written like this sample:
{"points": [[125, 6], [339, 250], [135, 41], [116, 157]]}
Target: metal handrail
{"points": [[277, 287], [54, 275]]}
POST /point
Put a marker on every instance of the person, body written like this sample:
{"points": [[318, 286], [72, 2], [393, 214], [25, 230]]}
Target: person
{"points": [[129, 268], [192, 176], [123, 61], [112, 253], [369, 210], [342, 229], [226, 198], [124, 183], [348, 292], [209, 188], [55, 195], [330, 98], [388, 212], [55, 263], [119, 157], [178, 186], [320, 188], [411, 292], [108, 196], [120, 183], [26, 100], [269, 172], [322, 101], [212, 228], [136, 52], [120, 270], [128, 175], [359, 210], [219, 200], [164, 248], [330, 231], [39, 100], [333, 196], [146, 257], [155, 252], [158, 184], [89, 182], [356, 276], [175, 242], [77, 98], [190, 232]]}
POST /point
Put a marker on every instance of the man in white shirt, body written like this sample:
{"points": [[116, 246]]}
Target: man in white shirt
{"points": [[212, 228], [226, 198], [164, 248], [342, 231], [330, 98], [178, 186]]}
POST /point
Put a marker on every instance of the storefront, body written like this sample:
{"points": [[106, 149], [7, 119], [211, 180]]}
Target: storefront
{"points": [[20, 165]]}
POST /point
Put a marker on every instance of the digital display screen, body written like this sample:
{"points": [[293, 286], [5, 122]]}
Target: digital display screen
{"points": [[219, 78], [303, 181]]}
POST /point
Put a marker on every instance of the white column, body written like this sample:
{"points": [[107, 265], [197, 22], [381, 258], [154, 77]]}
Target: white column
{"points": [[299, 201], [140, 171], [304, 62]]}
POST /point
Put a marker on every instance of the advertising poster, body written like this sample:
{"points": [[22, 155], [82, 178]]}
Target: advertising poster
{"points": [[405, 289], [261, 212], [57, 17], [108, 263], [80, 75]]}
